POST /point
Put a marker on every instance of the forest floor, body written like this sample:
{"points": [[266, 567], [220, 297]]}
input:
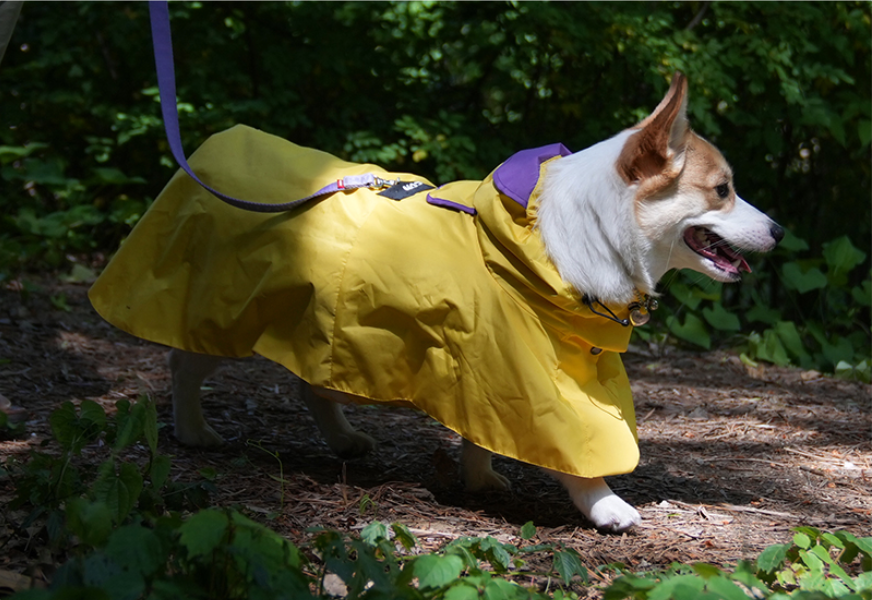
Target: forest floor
{"points": [[732, 457]]}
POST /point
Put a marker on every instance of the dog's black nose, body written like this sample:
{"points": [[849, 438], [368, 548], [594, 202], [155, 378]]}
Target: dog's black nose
{"points": [[777, 232]]}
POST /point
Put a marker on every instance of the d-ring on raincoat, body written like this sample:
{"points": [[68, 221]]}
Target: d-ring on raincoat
{"points": [[458, 312]]}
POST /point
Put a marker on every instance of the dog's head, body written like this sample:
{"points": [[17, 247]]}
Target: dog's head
{"points": [[617, 216], [685, 200]]}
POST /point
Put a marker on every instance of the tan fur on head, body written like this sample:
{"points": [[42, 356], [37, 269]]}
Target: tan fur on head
{"points": [[705, 168], [654, 156]]}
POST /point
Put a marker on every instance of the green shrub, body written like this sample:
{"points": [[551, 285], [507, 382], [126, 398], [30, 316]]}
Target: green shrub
{"points": [[125, 539], [809, 312]]}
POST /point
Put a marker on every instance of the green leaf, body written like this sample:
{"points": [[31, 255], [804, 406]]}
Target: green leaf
{"points": [[792, 243], [500, 589], [11, 153], [208, 473], [202, 533], [100, 571], [461, 591], [679, 587], [863, 582], [789, 336], [724, 589], [130, 426], [79, 274], [692, 330], [495, 553], [136, 549], [119, 491], [160, 470], [802, 540], [93, 419], [90, 521], [568, 564], [59, 301], [434, 571], [772, 557], [114, 176], [813, 533], [528, 530], [811, 560], [769, 348], [406, 537], [862, 294], [803, 280], [685, 295], [838, 349], [373, 533], [763, 314], [64, 425], [842, 256], [720, 318], [864, 132], [149, 423], [706, 571]]}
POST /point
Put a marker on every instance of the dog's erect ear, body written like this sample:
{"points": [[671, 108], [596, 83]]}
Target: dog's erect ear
{"points": [[658, 147]]}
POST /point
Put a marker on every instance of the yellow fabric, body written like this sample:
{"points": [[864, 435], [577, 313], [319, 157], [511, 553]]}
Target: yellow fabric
{"points": [[463, 316]]}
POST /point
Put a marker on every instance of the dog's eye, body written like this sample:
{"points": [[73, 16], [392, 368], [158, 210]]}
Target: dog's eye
{"points": [[723, 190]]}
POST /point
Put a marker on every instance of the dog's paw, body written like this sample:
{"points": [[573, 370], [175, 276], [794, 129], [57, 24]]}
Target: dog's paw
{"points": [[613, 514], [351, 444], [203, 436], [485, 480]]}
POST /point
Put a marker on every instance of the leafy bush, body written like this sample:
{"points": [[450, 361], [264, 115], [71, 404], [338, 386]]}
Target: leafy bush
{"points": [[816, 566], [124, 541], [449, 90], [820, 318]]}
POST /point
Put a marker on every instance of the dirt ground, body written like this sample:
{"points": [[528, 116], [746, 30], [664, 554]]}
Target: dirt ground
{"points": [[732, 457]]}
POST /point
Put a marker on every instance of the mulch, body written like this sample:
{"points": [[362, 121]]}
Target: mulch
{"points": [[733, 457]]}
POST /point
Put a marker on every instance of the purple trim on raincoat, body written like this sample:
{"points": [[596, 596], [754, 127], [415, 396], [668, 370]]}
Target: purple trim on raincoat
{"points": [[518, 176], [431, 199]]}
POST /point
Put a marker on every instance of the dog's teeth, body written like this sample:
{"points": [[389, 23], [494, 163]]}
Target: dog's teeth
{"points": [[737, 262]]}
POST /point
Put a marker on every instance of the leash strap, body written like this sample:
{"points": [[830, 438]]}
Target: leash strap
{"points": [[166, 81]]}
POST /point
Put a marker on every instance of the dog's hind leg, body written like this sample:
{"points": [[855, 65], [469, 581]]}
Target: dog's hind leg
{"points": [[326, 408], [478, 474], [188, 372], [598, 502]]}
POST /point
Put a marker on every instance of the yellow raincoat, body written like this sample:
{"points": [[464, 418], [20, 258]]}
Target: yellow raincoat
{"points": [[460, 314]]}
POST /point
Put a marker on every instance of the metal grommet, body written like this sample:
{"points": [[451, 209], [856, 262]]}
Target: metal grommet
{"points": [[595, 350]]}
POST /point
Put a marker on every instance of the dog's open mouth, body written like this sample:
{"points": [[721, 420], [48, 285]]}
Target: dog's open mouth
{"points": [[710, 245]]}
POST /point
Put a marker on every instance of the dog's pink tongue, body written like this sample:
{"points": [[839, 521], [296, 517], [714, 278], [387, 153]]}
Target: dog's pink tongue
{"points": [[731, 257]]}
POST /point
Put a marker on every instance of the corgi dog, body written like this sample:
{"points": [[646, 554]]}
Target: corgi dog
{"points": [[602, 226]]}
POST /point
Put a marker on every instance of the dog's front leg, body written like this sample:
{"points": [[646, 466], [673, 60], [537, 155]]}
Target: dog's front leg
{"points": [[326, 408], [478, 474], [598, 502], [188, 372]]}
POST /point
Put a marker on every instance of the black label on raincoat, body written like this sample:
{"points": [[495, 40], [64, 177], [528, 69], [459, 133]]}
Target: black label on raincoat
{"points": [[404, 189]]}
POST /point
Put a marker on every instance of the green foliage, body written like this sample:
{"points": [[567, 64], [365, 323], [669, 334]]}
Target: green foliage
{"points": [[817, 565], [449, 90], [824, 325], [57, 486], [124, 541]]}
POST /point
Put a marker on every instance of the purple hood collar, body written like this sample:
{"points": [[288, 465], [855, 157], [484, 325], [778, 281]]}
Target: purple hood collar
{"points": [[519, 175]]}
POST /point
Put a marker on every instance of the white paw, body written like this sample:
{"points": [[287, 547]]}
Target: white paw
{"points": [[202, 436], [613, 514], [480, 480], [351, 444]]}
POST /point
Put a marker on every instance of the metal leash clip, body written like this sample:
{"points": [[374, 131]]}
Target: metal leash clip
{"points": [[379, 183], [640, 312]]}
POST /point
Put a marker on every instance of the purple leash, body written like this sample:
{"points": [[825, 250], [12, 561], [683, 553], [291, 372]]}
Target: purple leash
{"points": [[166, 81]]}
